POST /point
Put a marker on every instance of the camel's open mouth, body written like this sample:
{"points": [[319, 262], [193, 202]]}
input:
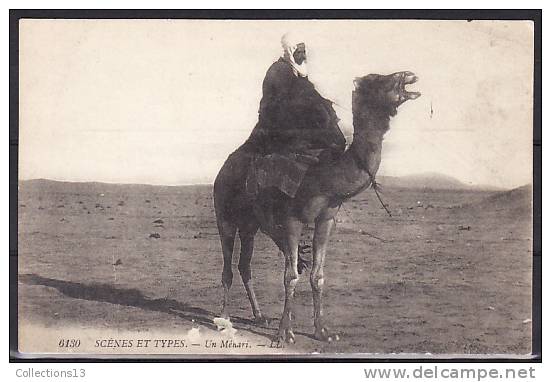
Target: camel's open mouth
{"points": [[408, 78]]}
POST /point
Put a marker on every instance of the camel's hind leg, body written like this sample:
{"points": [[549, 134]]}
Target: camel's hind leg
{"points": [[227, 232], [247, 247], [321, 239]]}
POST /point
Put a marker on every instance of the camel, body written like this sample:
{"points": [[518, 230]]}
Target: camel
{"points": [[326, 186]]}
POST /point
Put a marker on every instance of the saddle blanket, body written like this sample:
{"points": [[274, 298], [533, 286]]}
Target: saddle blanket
{"points": [[282, 171]]}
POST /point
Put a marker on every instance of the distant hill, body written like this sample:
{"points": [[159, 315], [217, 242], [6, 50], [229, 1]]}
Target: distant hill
{"points": [[515, 204], [434, 181], [517, 200], [46, 185]]}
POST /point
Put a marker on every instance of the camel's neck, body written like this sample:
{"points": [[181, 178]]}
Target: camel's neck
{"points": [[369, 130], [363, 157]]}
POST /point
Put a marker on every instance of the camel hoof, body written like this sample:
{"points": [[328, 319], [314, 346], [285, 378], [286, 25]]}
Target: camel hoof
{"points": [[287, 336], [325, 335]]}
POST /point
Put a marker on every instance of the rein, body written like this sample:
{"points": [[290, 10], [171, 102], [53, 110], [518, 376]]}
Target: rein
{"points": [[374, 185]]}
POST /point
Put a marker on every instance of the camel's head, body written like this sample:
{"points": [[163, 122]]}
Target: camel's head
{"points": [[385, 93]]}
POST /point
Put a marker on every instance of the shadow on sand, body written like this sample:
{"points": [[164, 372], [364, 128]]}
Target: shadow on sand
{"points": [[135, 298]]}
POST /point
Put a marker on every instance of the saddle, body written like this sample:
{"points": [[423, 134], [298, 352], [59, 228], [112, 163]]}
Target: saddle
{"points": [[282, 171]]}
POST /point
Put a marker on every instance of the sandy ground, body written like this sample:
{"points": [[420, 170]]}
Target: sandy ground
{"points": [[450, 272]]}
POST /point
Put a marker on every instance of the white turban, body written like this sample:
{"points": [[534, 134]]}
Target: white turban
{"points": [[289, 42]]}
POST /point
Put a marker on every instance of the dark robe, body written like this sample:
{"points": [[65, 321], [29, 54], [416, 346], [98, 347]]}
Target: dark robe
{"points": [[293, 117], [296, 128]]}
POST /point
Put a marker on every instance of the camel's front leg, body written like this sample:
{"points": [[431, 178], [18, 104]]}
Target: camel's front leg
{"points": [[290, 278], [321, 239]]}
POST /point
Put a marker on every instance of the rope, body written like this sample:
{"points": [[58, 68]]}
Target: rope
{"points": [[376, 188], [362, 232]]}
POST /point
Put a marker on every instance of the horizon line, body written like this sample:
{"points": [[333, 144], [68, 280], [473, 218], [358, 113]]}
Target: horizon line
{"points": [[466, 185]]}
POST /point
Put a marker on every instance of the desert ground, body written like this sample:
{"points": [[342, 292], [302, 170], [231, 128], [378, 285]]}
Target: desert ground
{"points": [[449, 273]]}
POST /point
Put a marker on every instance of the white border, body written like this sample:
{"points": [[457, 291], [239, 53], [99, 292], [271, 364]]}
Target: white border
{"points": [[238, 371]]}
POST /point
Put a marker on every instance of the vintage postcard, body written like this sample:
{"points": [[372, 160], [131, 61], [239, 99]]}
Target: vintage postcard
{"points": [[314, 188]]}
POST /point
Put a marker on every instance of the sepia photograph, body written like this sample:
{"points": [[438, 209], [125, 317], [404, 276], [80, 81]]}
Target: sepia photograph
{"points": [[262, 188]]}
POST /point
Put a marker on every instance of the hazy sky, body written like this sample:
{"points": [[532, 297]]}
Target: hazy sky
{"points": [[165, 101]]}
